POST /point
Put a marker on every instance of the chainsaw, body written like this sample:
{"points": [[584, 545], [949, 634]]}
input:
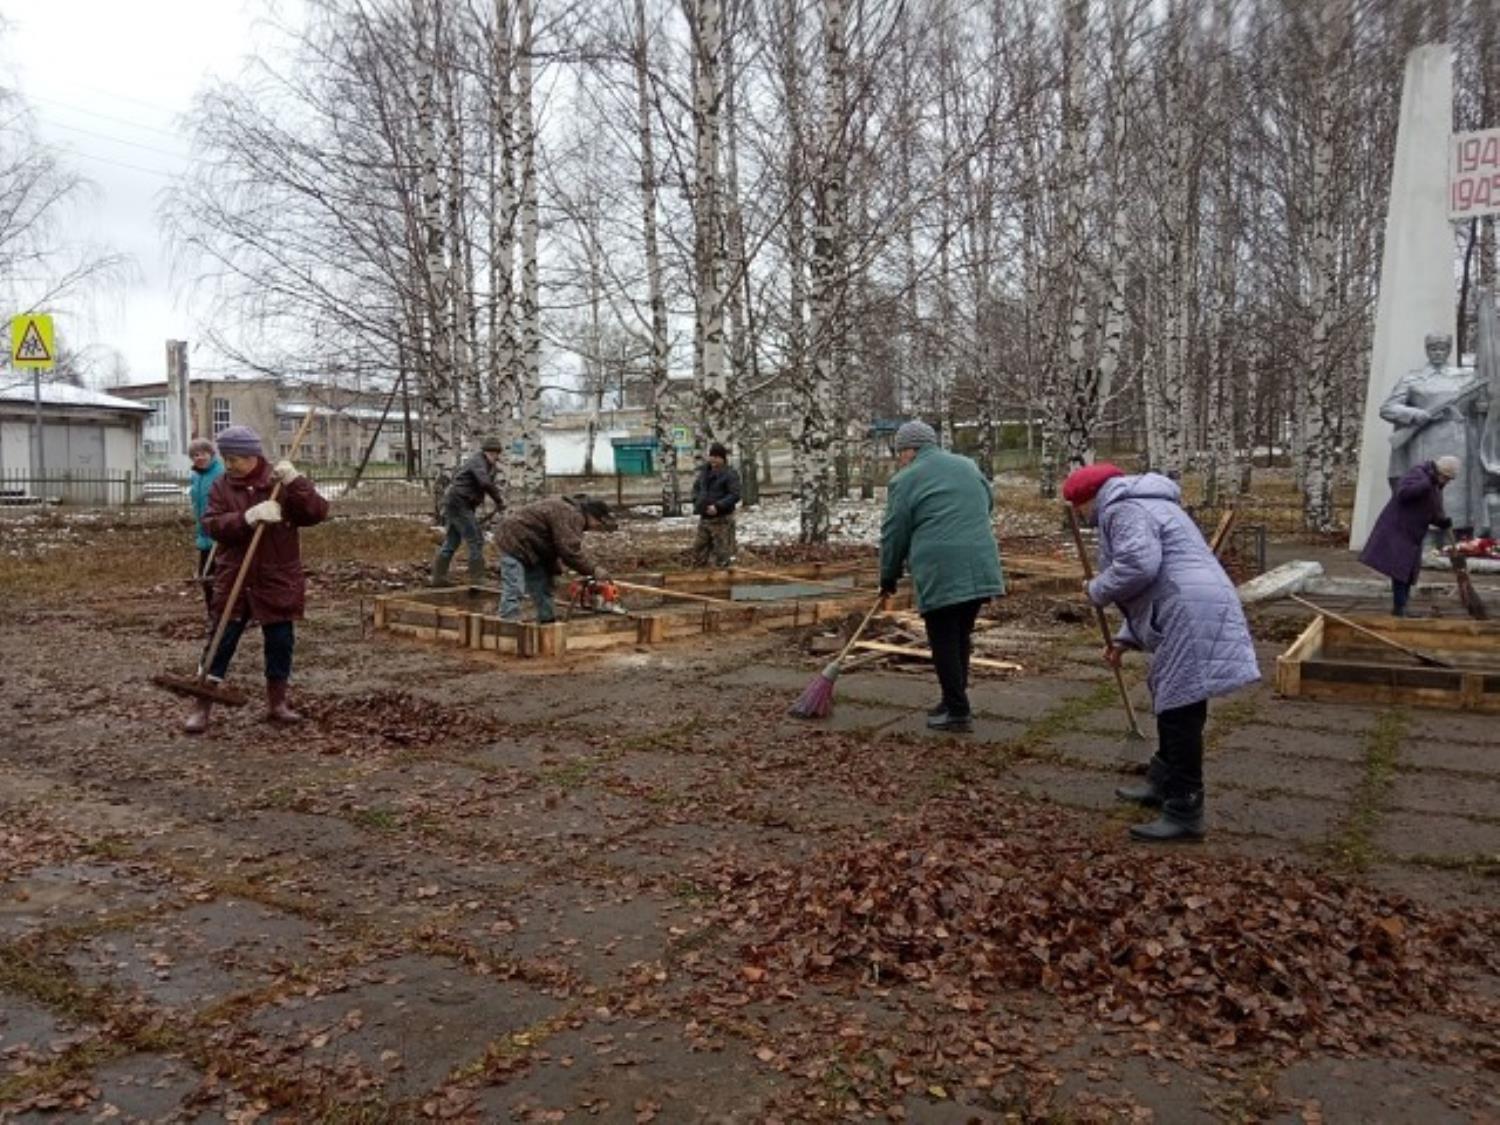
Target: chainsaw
{"points": [[594, 596]]}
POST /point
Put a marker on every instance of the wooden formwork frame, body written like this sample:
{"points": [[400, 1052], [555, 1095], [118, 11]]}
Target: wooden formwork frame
{"points": [[446, 616], [1331, 661]]}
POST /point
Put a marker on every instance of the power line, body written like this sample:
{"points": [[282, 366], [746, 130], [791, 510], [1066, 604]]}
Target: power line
{"points": [[114, 140], [104, 116], [124, 164]]}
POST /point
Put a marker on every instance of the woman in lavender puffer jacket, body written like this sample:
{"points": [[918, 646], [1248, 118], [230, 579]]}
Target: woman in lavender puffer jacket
{"points": [[1180, 606]]}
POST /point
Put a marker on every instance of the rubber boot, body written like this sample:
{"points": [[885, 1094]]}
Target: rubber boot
{"points": [[477, 575], [440, 565], [197, 720], [277, 709], [1181, 821], [1149, 792]]}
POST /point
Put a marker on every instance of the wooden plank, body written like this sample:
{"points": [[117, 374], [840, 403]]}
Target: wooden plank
{"points": [[664, 592], [923, 654], [1221, 533]]}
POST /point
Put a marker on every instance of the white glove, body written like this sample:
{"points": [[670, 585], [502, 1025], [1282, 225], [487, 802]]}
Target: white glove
{"points": [[267, 511], [600, 574], [285, 471]]}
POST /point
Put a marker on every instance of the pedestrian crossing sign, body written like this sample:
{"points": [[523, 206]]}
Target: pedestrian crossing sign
{"points": [[31, 341]]}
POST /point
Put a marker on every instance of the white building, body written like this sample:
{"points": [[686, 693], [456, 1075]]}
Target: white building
{"points": [[90, 441]]}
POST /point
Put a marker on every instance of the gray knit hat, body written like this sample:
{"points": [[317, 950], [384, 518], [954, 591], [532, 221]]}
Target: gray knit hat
{"points": [[915, 434], [240, 441]]}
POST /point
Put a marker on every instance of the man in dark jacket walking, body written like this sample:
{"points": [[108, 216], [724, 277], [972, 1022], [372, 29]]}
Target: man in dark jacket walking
{"points": [[716, 494], [473, 482], [536, 540], [937, 520], [1395, 544]]}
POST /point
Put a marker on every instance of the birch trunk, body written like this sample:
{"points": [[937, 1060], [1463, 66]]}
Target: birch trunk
{"points": [[819, 404], [1080, 378], [1320, 432], [505, 377], [1222, 436], [531, 327], [441, 447], [468, 392], [798, 375], [1173, 408], [713, 388], [666, 446]]}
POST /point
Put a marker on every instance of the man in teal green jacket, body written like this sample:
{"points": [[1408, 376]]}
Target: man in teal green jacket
{"points": [[937, 521]]}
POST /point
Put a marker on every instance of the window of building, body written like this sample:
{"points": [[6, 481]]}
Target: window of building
{"points": [[156, 436], [221, 416], [286, 423], [286, 450], [347, 457]]}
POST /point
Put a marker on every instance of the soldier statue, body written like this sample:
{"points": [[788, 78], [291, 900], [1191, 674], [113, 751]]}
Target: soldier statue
{"points": [[1440, 410]]}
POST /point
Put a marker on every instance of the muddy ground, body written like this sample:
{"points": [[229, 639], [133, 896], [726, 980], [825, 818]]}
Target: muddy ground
{"points": [[631, 889]]}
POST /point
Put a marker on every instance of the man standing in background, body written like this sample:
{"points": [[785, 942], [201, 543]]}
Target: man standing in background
{"points": [[716, 494]]}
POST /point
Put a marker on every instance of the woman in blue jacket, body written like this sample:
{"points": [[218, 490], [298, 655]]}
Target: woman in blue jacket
{"points": [[207, 468]]}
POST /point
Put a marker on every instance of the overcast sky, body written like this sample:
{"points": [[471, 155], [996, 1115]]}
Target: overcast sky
{"points": [[109, 82]]}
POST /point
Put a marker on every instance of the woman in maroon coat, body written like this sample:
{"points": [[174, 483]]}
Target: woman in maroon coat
{"points": [[274, 588], [1395, 544]]}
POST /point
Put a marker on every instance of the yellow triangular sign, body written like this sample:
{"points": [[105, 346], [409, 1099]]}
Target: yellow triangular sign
{"points": [[32, 346], [31, 340]]}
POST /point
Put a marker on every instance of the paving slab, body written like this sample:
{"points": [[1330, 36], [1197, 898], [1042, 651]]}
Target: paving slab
{"points": [[1409, 834], [1111, 753], [1293, 743], [987, 731], [621, 1072], [1310, 714], [1441, 793], [595, 932], [411, 1021], [1390, 1091], [29, 1033], [1078, 788], [1481, 758], [1300, 819], [1324, 778], [194, 957], [66, 894], [135, 1089], [1129, 1088]]}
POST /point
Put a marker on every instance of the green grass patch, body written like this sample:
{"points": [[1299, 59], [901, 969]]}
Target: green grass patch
{"points": [[1353, 848]]}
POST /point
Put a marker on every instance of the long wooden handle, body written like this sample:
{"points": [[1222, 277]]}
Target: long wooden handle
{"points": [[664, 592], [1109, 640], [244, 570], [792, 579], [1425, 658], [874, 608]]}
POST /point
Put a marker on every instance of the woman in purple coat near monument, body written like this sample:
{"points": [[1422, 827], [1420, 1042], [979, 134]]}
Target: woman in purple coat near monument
{"points": [[1395, 544]]}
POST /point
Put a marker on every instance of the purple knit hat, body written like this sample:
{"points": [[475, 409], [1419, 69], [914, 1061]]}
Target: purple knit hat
{"points": [[240, 441]]}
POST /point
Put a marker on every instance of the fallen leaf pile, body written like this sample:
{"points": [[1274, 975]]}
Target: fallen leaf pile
{"points": [[385, 719], [1224, 951]]}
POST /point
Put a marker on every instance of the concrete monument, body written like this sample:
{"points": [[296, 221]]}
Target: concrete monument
{"points": [[1416, 270]]}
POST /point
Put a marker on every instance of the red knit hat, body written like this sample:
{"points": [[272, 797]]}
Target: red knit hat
{"points": [[1083, 483]]}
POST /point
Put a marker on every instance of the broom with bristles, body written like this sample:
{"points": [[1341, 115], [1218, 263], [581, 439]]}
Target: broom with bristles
{"points": [[816, 701]]}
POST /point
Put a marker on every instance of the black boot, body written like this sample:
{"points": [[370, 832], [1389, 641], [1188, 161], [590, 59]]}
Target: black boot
{"points": [[950, 723], [1181, 820], [1150, 791]]}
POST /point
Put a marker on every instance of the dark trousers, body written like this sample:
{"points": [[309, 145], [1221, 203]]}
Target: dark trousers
{"points": [[463, 527], [1179, 735], [1400, 594], [205, 577], [280, 638], [950, 635]]}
